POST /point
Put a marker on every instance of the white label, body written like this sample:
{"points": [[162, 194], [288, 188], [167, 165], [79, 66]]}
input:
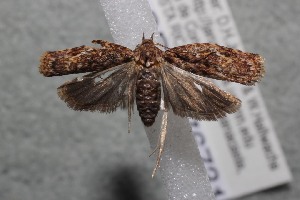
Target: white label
{"points": [[241, 152]]}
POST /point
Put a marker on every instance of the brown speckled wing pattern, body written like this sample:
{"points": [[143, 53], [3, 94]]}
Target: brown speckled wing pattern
{"points": [[217, 62], [119, 76], [84, 59]]}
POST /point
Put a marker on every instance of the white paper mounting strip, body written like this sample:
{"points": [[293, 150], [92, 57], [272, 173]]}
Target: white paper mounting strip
{"points": [[182, 169]]}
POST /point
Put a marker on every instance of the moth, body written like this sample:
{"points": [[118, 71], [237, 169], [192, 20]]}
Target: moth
{"points": [[120, 76]]}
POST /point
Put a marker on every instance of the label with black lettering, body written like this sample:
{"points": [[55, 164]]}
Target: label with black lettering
{"points": [[241, 152]]}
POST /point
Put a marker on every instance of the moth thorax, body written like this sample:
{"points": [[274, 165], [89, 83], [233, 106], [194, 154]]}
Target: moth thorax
{"points": [[148, 95]]}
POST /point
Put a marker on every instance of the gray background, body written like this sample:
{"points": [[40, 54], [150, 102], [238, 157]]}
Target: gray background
{"points": [[50, 152]]}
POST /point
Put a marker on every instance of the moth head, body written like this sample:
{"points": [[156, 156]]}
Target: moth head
{"points": [[146, 43], [146, 53]]}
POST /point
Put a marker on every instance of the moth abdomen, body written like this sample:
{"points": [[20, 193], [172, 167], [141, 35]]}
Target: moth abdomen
{"points": [[148, 95]]}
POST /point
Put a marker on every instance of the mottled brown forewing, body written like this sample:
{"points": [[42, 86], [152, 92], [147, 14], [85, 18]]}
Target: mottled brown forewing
{"points": [[218, 62], [84, 59]]}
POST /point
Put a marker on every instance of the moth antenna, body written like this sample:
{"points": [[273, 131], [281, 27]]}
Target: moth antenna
{"points": [[152, 36], [143, 36]]}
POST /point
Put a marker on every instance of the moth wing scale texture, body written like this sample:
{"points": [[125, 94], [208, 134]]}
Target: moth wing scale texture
{"points": [[217, 62], [84, 59], [193, 96], [93, 93]]}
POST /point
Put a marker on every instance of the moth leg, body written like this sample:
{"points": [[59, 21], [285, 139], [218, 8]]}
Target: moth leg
{"points": [[129, 118], [130, 101], [157, 146], [161, 144]]}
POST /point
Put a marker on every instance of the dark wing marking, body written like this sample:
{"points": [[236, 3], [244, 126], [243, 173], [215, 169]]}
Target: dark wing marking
{"points": [[218, 62], [187, 100], [105, 95], [84, 59]]}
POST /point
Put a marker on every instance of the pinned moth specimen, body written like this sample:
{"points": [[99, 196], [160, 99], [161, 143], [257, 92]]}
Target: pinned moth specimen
{"points": [[142, 75]]}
